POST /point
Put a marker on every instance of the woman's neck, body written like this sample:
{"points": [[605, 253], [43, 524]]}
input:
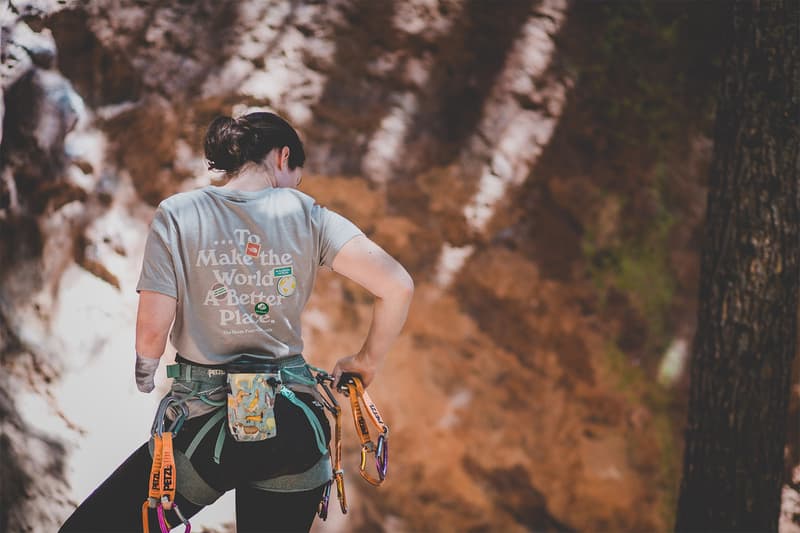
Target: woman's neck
{"points": [[251, 178]]}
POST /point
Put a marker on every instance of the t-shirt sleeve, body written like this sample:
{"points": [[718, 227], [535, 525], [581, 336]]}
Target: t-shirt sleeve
{"points": [[158, 268], [334, 232]]}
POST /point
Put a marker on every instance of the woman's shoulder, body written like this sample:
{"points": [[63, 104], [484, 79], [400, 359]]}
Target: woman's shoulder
{"points": [[296, 193], [288, 196], [180, 200]]}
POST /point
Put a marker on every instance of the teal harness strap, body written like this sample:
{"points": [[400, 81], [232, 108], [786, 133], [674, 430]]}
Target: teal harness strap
{"points": [[316, 369], [220, 442], [216, 417], [202, 396], [213, 403], [296, 378], [312, 419]]}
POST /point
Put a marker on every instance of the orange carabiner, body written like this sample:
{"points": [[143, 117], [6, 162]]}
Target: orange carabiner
{"points": [[353, 388]]}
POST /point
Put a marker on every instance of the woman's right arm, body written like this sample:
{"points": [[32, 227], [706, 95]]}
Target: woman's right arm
{"points": [[370, 266]]}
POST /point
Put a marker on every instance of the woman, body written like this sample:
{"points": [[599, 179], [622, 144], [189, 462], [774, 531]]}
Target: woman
{"points": [[230, 269]]}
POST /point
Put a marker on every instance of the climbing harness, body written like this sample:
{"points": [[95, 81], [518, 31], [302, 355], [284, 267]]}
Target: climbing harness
{"points": [[161, 491], [250, 403], [351, 386], [251, 390]]}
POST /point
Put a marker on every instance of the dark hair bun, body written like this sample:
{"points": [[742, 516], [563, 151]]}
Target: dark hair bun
{"points": [[230, 143], [226, 143]]}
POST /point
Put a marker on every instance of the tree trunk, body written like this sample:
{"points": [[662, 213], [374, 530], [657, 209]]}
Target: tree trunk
{"points": [[747, 320]]}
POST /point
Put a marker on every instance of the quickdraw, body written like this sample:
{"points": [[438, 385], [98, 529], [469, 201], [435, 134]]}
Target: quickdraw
{"points": [[351, 386], [162, 486], [330, 403]]}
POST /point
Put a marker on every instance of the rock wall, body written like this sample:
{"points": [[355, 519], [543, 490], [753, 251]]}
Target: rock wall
{"points": [[554, 249]]}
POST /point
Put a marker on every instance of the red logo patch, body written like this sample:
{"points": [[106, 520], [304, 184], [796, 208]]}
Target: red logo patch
{"points": [[252, 249]]}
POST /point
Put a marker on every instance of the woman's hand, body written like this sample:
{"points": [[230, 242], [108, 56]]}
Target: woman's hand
{"points": [[355, 364], [146, 372]]}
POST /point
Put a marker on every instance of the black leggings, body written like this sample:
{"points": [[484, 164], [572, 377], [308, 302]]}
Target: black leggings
{"points": [[116, 505]]}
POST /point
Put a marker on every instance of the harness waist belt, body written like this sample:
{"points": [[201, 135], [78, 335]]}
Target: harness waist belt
{"points": [[217, 375], [184, 372]]}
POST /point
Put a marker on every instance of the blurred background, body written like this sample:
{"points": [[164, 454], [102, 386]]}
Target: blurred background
{"points": [[538, 166]]}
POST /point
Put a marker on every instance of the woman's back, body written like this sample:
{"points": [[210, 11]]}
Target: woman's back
{"points": [[241, 265]]}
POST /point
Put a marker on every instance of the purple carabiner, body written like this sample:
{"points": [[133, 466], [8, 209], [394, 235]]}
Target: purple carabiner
{"points": [[382, 457], [323, 505], [162, 522]]}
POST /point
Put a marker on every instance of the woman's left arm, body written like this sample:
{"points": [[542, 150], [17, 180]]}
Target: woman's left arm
{"points": [[153, 321]]}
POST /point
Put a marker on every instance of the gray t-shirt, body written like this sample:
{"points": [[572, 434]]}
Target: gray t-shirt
{"points": [[241, 266]]}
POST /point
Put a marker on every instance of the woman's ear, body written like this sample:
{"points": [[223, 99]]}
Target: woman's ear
{"points": [[283, 158]]}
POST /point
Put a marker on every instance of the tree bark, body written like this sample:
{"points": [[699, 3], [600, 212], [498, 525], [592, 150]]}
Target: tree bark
{"points": [[750, 271]]}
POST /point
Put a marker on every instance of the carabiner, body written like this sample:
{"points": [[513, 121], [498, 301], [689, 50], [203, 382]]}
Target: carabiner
{"points": [[363, 468], [330, 402], [382, 457], [183, 519], [344, 381], [158, 422], [339, 478], [177, 424], [165, 526], [323, 504], [162, 521]]}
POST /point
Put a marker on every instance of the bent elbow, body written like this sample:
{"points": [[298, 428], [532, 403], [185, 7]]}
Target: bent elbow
{"points": [[405, 285], [399, 287], [408, 284]]}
